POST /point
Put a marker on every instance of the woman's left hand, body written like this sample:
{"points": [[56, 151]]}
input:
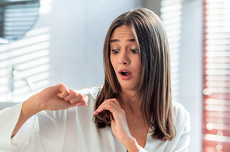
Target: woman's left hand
{"points": [[119, 123]]}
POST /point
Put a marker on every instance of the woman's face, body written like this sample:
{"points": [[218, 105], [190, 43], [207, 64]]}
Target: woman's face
{"points": [[125, 58]]}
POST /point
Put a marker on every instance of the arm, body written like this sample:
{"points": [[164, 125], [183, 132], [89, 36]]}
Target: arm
{"points": [[53, 98], [119, 125], [57, 97], [26, 112]]}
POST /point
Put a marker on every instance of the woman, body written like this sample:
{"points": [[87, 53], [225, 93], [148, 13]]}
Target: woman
{"points": [[133, 110]]}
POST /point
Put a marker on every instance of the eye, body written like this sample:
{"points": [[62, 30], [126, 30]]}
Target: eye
{"points": [[134, 51], [115, 51]]}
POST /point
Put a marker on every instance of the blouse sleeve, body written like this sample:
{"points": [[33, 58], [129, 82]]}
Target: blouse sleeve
{"points": [[8, 120], [40, 129]]}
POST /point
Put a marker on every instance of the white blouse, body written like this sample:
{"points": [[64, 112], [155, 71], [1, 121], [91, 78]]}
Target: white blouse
{"points": [[73, 130]]}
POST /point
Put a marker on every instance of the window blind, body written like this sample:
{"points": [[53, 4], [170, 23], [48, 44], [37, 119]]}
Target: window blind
{"points": [[171, 16], [216, 76], [17, 17]]}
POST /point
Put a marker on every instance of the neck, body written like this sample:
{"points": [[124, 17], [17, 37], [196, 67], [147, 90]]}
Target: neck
{"points": [[129, 101]]}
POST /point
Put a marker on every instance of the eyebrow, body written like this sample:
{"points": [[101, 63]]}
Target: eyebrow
{"points": [[116, 40]]}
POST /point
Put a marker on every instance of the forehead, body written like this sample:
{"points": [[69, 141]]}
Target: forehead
{"points": [[122, 32]]}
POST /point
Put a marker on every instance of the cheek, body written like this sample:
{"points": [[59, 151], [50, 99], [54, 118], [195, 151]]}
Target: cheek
{"points": [[138, 64], [112, 61]]}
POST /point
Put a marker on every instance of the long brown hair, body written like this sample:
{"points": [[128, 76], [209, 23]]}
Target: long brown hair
{"points": [[155, 88]]}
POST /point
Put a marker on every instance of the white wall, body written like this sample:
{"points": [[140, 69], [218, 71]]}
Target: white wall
{"points": [[65, 46], [191, 69], [78, 29]]}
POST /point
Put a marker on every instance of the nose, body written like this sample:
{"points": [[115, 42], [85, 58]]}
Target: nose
{"points": [[123, 58]]}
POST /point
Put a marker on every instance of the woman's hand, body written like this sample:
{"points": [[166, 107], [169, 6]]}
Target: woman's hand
{"points": [[59, 97], [52, 98], [119, 124]]}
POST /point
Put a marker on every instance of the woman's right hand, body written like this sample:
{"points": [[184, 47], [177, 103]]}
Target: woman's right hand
{"points": [[58, 97]]}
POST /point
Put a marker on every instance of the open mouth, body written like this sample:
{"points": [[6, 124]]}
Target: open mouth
{"points": [[125, 73]]}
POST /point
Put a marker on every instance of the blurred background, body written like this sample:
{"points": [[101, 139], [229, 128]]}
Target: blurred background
{"points": [[54, 41]]}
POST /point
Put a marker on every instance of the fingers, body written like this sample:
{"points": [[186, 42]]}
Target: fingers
{"points": [[64, 91], [75, 99], [83, 102], [73, 96], [111, 104]]}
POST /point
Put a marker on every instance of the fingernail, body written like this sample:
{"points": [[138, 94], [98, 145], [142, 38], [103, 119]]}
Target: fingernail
{"points": [[79, 104]]}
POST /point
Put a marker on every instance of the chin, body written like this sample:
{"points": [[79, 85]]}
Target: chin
{"points": [[129, 87]]}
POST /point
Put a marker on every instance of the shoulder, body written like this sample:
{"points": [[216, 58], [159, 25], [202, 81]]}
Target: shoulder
{"points": [[179, 111], [181, 116], [92, 91]]}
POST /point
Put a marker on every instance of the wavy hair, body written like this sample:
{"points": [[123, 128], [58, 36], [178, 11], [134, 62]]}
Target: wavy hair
{"points": [[155, 87]]}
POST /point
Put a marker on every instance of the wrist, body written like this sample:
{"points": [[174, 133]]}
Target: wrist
{"points": [[30, 107], [131, 145]]}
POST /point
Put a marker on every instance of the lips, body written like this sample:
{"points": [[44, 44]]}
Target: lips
{"points": [[125, 74]]}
